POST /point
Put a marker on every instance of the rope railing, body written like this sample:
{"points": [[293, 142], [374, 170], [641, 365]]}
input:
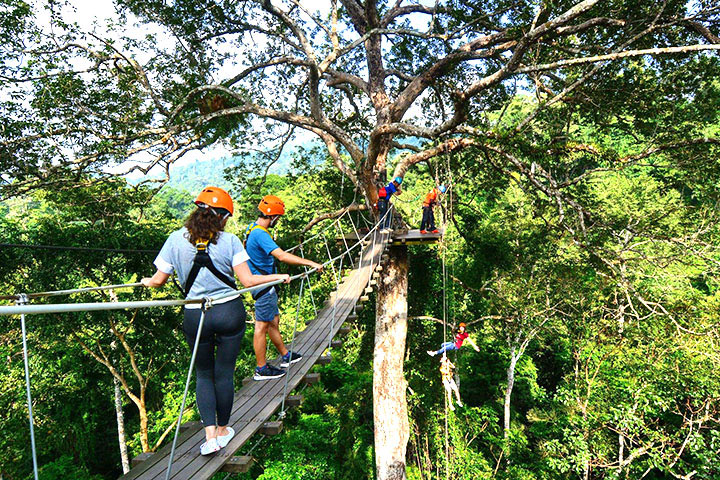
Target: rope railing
{"points": [[21, 308], [72, 291]]}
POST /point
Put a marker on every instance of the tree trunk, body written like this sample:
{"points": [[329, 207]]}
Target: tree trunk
{"points": [[119, 414], [121, 427], [508, 392], [392, 428], [143, 427]]}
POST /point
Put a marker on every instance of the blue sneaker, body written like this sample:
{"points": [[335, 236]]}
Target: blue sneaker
{"points": [[289, 358], [267, 372]]}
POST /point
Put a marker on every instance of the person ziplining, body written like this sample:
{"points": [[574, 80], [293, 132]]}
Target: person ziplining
{"points": [[206, 260], [383, 203], [446, 371], [428, 217], [460, 336], [263, 251]]}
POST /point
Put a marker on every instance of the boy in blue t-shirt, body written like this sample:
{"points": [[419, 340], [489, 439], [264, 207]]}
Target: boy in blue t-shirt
{"points": [[384, 201], [262, 250]]}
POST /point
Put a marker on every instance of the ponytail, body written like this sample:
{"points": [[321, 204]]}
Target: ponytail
{"points": [[204, 225]]}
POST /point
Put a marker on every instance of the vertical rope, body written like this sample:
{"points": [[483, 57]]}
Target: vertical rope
{"points": [[443, 246], [22, 300], [312, 297], [281, 415], [342, 235], [337, 287], [205, 306]]}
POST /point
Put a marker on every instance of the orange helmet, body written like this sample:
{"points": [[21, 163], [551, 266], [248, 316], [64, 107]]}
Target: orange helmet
{"points": [[215, 197], [462, 325], [271, 205]]}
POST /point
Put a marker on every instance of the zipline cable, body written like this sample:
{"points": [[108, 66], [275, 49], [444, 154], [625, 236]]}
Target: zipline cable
{"points": [[55, 293], [70, 248]]}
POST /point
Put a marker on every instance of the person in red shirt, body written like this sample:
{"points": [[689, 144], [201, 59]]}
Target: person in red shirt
{"points": [[460, 336], [428, 218]]}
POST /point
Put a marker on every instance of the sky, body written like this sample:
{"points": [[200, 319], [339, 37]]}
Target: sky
{"points": [[92, 17]]}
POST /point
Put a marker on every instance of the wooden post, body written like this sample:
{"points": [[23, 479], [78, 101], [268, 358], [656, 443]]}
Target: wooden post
{"points": [[389, 384]]}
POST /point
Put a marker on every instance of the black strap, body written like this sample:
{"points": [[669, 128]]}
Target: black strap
{"points": [[202, 259]]}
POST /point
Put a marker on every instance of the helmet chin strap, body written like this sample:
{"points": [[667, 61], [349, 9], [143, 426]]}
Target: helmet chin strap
{"points": [[274, 220]]}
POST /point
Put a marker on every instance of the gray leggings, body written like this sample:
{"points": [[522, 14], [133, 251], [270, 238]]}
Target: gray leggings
{"points": [[219, 346]]}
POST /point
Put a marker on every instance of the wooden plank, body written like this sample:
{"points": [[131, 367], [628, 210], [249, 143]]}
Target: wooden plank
{"points": [[294, 400], [311, 378], [240, 464], [271, 428], [344, 330], [141, 458], [352, 317], [336, 344], [196, 425]]}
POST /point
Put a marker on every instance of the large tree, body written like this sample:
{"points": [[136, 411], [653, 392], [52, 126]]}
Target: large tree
{"points": [[507, 80]]}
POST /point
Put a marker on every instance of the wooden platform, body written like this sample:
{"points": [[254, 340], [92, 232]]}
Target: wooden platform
{"points": [[256, 402], [414, 237], [398, 237]]}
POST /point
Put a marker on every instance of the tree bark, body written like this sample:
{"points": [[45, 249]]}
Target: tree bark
{"points": [[392, 428], [121, 427], [508, 391], [143, 427], [120, 416]]}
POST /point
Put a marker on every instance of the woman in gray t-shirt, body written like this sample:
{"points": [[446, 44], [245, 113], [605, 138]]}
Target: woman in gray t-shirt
{"points": [[222, 258]]}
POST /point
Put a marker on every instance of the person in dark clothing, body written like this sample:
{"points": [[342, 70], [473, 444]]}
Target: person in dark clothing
{"points": [[224, 256], [428, 218]]}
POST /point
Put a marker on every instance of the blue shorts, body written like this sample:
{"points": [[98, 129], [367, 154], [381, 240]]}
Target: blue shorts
{"points": [[266, 307]]}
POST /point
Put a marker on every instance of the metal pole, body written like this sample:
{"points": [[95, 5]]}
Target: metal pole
{"points": [[22, 299], [207, 304]]}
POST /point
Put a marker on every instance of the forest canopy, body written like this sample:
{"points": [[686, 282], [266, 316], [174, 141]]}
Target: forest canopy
{"points": [[581, 143]]}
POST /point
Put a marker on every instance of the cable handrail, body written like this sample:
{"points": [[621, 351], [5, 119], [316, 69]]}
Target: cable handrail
{"points": [[101, 306], [73, 291]]}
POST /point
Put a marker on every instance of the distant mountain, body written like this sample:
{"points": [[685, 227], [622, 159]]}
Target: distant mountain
{"points": [[192, 176]]}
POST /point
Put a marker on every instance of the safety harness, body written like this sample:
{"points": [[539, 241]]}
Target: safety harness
{"points": [[202, 259], [251, 228]]}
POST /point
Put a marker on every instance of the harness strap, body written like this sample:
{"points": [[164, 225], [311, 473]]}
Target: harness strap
{"points": [[202, 259], [251, 228]]}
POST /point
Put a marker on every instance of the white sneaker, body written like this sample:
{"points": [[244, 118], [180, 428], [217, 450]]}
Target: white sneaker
{"points": [[431, 353], [223, 440], [452, 408], [459, 403], [211, 446]]}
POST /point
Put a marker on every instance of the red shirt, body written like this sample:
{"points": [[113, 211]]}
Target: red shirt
{"points": [[459, 338]]}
